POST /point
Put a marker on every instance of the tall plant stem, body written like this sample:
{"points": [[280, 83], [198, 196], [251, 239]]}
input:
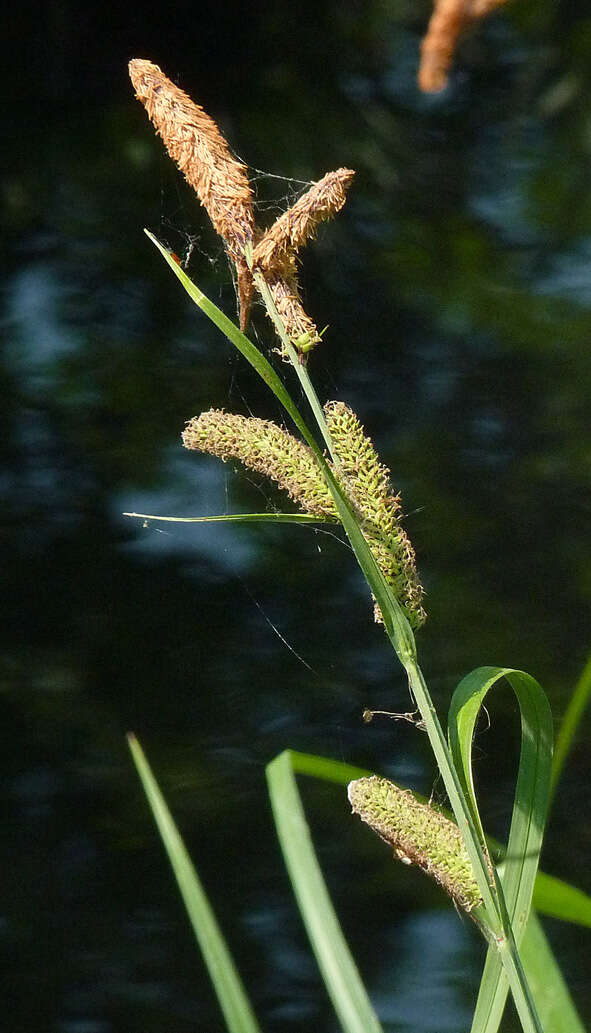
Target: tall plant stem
{"points": [[498, 923], [416, 679]]}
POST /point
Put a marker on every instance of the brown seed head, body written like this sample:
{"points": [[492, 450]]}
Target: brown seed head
{"points": [[285, 292], [195, 143], [275, 254], [277, 248]]}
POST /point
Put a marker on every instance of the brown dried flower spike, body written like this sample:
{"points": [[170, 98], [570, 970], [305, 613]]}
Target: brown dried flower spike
{"points": [[275, 254], [277, 249], [448, 20], [195, 143]]}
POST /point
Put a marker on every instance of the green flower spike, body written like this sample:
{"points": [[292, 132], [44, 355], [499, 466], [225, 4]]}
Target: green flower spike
{"points": [[263, 446], [367, 482], [419, 834]]}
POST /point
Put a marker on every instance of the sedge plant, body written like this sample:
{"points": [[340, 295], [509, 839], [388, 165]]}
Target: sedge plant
{"points": [[333, 474]]}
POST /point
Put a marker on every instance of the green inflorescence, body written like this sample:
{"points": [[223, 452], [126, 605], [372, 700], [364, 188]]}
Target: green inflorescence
{"points": [[419, 834], [367, 481], [263, 446], [268, 449]]}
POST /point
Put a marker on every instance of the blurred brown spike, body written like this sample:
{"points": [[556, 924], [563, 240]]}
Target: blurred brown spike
{"points": [[437, 49], [480, 8], [438, 46], [195, 143]]}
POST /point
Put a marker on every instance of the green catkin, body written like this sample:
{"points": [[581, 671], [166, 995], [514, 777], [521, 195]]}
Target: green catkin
{"points": [[367, 482], [419, 835], [268, 449], [263, 446]]}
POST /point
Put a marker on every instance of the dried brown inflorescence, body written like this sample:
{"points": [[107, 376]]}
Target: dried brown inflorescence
{"points": [[276, 250], [275, 253], [448, 20], [285, 291], [195, 143]]}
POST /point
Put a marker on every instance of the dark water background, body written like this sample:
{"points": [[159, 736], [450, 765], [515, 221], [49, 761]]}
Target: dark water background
{"points": [[457, 287]]}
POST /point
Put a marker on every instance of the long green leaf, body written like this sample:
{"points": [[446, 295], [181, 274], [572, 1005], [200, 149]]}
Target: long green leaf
{"points": [[325, 768], [270, 518], [555, 1005], [571, 721], [226, 981], [251, 353], [338, 969], [558, 899], [519, 868]]}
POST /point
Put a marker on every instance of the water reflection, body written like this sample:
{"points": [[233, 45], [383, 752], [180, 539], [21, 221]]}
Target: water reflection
{"points": [[427, 988]]}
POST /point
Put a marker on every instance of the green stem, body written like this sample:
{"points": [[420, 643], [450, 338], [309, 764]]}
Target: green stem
{"points": [[522, 995], [455, 792], [407, 657]]}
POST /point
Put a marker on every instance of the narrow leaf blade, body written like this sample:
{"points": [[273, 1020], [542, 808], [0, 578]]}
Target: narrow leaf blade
{"points": [[555, 1005], [238, 518], [338, 969], [224, 976]]}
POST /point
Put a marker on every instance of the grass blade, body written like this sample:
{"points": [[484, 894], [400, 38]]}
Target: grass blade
{"points": [[532, 794], [251, 353], [325, 768], [557, 1011], [554, 1004], [571, 721], [558, 899], [338, 969], [270, 518], [226, 981]]}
